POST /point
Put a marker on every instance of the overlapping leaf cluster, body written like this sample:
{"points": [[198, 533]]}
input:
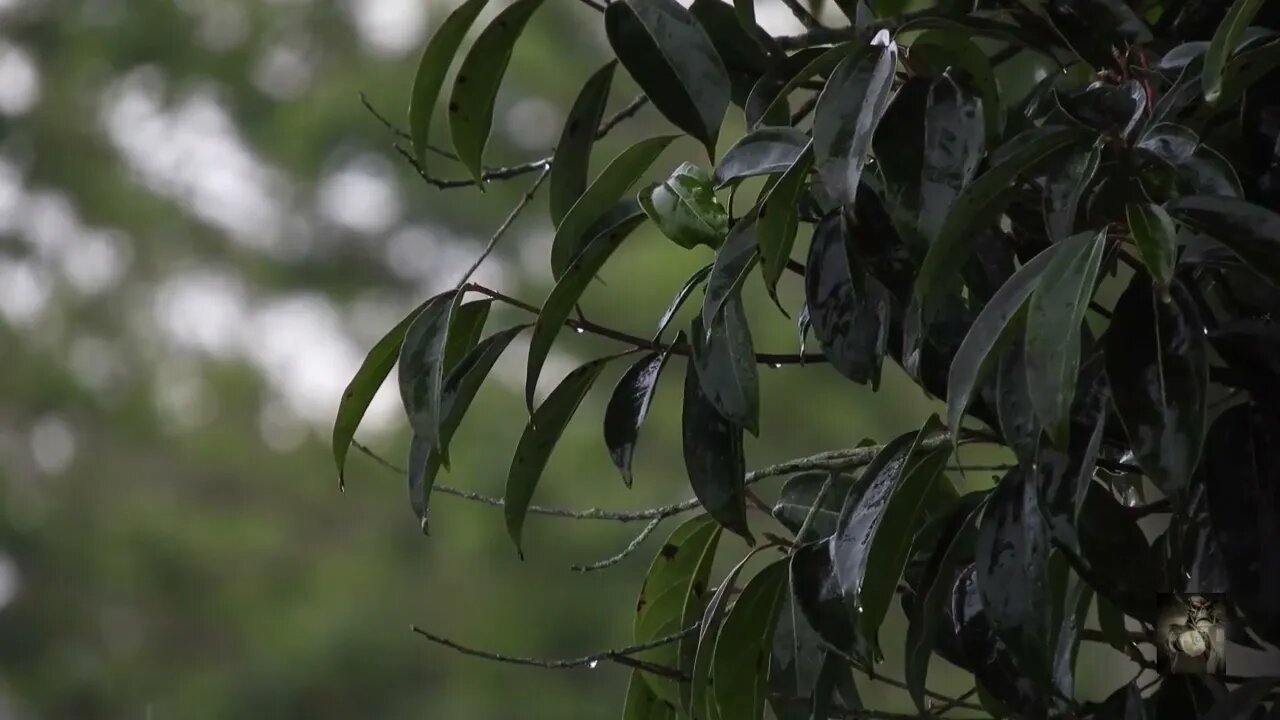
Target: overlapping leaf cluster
{"points": [[1085, 271]]}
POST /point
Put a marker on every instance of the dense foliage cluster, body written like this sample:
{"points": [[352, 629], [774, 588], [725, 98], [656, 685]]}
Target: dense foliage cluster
{"points": [[1085, 272]]}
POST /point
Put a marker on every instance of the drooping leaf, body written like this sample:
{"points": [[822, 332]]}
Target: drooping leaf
{"points": [[1153, 232], [953, 147], [713, 458], [849, 108], [767, 104], [777, 221], [797, 498], [538, 440], [465, 331], [978, 203], [1072, 597], [1115, 557], [365, 383], [572, 161], [577, 275], [642, 704], [1019, 426], [421, 366], [1065, 186], [604, 193], [954, 49], [628, 407], [990, 330], [1054, 316], [742, 44], [475, 88], [816, 590], [678, 300], [1063, 478], [702, 704], [848, 308], [734, 261], [1242, 464], [763, 151], [686, 209], [1244, 71], [432, 69], [1092, 28], [1250, 231], [1012, 561], [725, 361], [1224, 42], [673, 598], [666, 51], [802, 672], [1157, 363], [740, 665]]}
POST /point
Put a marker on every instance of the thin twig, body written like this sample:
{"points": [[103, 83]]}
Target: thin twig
{"points": [[952, 704], [506, 225], [802, 14], [617, 655], [803, 111], [626, 552], [364, 100], [593, 5]]}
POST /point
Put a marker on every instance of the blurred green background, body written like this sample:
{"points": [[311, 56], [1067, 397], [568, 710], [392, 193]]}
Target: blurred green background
{"points": [[201, 233]]}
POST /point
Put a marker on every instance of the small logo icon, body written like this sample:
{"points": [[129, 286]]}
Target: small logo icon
{"points": [[1191, 634]]}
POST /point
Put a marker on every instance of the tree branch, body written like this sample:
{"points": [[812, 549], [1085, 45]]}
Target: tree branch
{"points": [[506, 225], [802, 14], [626, 552], [617, 655]]}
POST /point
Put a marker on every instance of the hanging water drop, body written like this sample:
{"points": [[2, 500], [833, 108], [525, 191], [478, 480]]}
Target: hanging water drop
{"points": [[777, 365], [580, 330], [592, 665]]}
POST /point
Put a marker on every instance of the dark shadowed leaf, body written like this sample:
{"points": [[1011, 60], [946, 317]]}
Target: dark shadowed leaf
{"points": [[702, 703], [673, 598], [1116, 558], [365, 384], [740, 664], [797, 499], [643, 704], [1054, 316], [421, 366], [953, 148], [764, 151], [666, 51], [539, 439], [713, 458], [1242, 476], [1240, 703], [726, 364], [628, 407], [432, 69], [604, 193], [1172, 143], [475, 88], [1064, 185], [1182, 697], [742, 44], [465, 331], [1157, 364], [1153, 232], [686, 209], [1013, 562], [816, 591], [1251, 348], [734, 261], [572, 162], [777, 221], [1063, 479], [1019, 426], [954, 49], [993, 327], [1108, 109], [802, 673], [680, 297], [1123, 704], [1224, 42], [577, 276], [849, 109], [768, 101], [848, 308], [1094, 27], [1250, 231]]}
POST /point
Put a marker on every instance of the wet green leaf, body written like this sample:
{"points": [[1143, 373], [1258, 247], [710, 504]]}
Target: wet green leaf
{"points": [[696, 279], [726, 364], [734, 261], [777, 221], [740, 665], [1250, 231], [628, 407], [432, 69], [764, 151], [642, 704], [475, 88], [1064, 187], [849, 108], [713, 458], [943, 49], [702, 704], [1225, 39], [768, 101], [797, 499], [572, 162], [1153, 232], [465, 331], [953, 149], [421, 366], [686, 210]]}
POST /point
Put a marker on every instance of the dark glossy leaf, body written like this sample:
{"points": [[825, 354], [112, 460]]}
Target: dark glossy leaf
{"points": [[848, 111], [475, 88], [1123, 704], [777, 221], [1157, 364], [726, 364], [572, 162], [1012, 564], [1115, 557], [849, 309], [763, 151], [740, 665], [460, 388], [976, 26], [1064, 186], [1240, 703], [1111, 621], [872, 542], [953, 148], [984, 654], [1251, 348], [1244, 71], [1174, 144], [801, 677], [713, 459], [1250, 231], [768, 101], [953, 551], [421, 366], [432, 69], [816, 591], [686, 209], [1153, 232], [797, 498], [1019, 426], [1094, 27], [642, 704], [743, 45], [465, 331], [1054, 316], [538, 440], [1182, 697], [671, 58], [1207, 172], [1072, 598], [628, 407], [574, 230], [1225, 39], [977, 204], [1242, 477], [994, 326], [702, 704], [1108, 109], [568, 290], [953, 49], [673, 598], [1063, 480], [366, 382], [680, 297], [734, 261]]}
